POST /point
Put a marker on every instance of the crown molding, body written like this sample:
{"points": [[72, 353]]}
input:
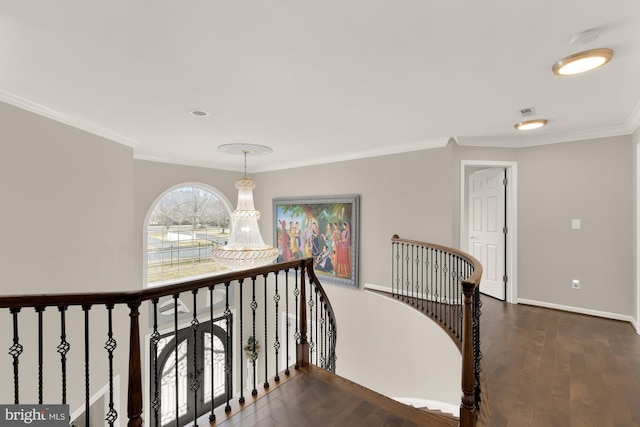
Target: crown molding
{"points": [[41, 110], [521, 142], [633, 121]]}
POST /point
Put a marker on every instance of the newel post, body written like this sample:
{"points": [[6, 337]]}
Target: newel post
{"points": [[134, 401], [468, 406], [303, 346]]}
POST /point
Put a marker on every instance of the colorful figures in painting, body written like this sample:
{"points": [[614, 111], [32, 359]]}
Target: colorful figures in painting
{"points": [[331, 250]]}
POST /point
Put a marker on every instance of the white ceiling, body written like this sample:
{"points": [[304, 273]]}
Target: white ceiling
{"points": [[318, 81]]}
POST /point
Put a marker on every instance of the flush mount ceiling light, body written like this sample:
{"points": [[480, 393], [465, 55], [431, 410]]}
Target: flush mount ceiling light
{"points": [[245, 249], [530, 124], [582, 62]]}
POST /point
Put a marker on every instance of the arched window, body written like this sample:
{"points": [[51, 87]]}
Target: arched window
{"points": [[182, 227]]}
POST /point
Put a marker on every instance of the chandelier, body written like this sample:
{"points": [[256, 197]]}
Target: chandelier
{"points": [[245, 249]]}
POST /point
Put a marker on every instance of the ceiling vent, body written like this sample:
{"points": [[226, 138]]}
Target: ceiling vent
{"points": [[526, 112]]}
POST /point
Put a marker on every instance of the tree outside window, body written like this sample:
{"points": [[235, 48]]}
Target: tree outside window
{"points": [[184, 226]]}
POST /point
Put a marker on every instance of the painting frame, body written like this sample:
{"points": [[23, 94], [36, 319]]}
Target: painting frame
{"points": [[308, 221]]}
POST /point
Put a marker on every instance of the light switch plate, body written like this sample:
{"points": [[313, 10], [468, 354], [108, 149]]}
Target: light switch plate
{"points": [[576, 224]]}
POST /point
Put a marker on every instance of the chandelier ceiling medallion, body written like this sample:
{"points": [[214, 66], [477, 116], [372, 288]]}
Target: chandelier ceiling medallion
{"points": [[245, 249]]}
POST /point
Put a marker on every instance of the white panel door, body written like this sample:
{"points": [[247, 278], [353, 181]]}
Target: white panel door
{"points": [[486, 228]]}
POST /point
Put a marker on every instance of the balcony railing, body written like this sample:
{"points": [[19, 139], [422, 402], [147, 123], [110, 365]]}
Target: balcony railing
{"points": [[49, 370], [444, 283]]}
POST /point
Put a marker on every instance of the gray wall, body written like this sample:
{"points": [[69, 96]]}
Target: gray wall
{"points": [[67, 207], [591, 180], [406, 194]]}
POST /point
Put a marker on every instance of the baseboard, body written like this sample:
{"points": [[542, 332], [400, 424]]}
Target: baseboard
{"points": [[580, 310], [377, 287], [410, 295]]}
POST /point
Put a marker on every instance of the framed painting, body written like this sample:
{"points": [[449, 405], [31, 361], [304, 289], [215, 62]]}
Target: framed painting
{"points": [[323, 228]]}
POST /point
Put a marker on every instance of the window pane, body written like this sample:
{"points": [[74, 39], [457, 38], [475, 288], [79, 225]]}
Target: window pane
{"points": [[169, 385], [218, 366], [183, 228]]}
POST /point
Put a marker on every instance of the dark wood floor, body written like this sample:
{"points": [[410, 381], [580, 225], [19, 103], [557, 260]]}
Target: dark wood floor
{"points": [[541, 367], [313, 397], [545, 367]]}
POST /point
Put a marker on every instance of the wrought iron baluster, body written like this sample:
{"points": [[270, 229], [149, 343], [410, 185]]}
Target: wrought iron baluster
{"points": [[40, 310], [310, 327], [87, 388], [110, 345], [212, 416], [254, 355], [177, 359], [195, 375], [461, 266], [241, 352], [417, 263], [323, 335], [305, 349], [155, 339], [421, 270], [429, 265], [287, 338], [452, 272], [411, 274], [405, 278], [394, 268], [15, 351], [276, 342], [266, 346], [441, 261], [63, 349], [436, 273], [397, 276], [296, 334], [317, 324], [228, 366]]}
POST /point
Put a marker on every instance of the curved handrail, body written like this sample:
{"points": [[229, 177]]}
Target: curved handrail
{"points": [[443, 283], [474, 279]]}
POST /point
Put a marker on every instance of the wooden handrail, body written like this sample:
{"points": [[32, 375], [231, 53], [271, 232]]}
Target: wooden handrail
{"points": [[95, 298], [469, 338]]}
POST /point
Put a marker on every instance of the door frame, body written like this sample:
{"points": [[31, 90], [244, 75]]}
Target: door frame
{"points": [[637, 245], [511, 251]]}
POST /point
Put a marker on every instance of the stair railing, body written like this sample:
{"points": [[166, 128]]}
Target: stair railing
{"points": [[444, 283], [288, 289]]}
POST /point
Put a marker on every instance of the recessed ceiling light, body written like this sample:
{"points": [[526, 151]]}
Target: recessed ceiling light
{"points": [[531, 124], [198, 113], [582, 62]]}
